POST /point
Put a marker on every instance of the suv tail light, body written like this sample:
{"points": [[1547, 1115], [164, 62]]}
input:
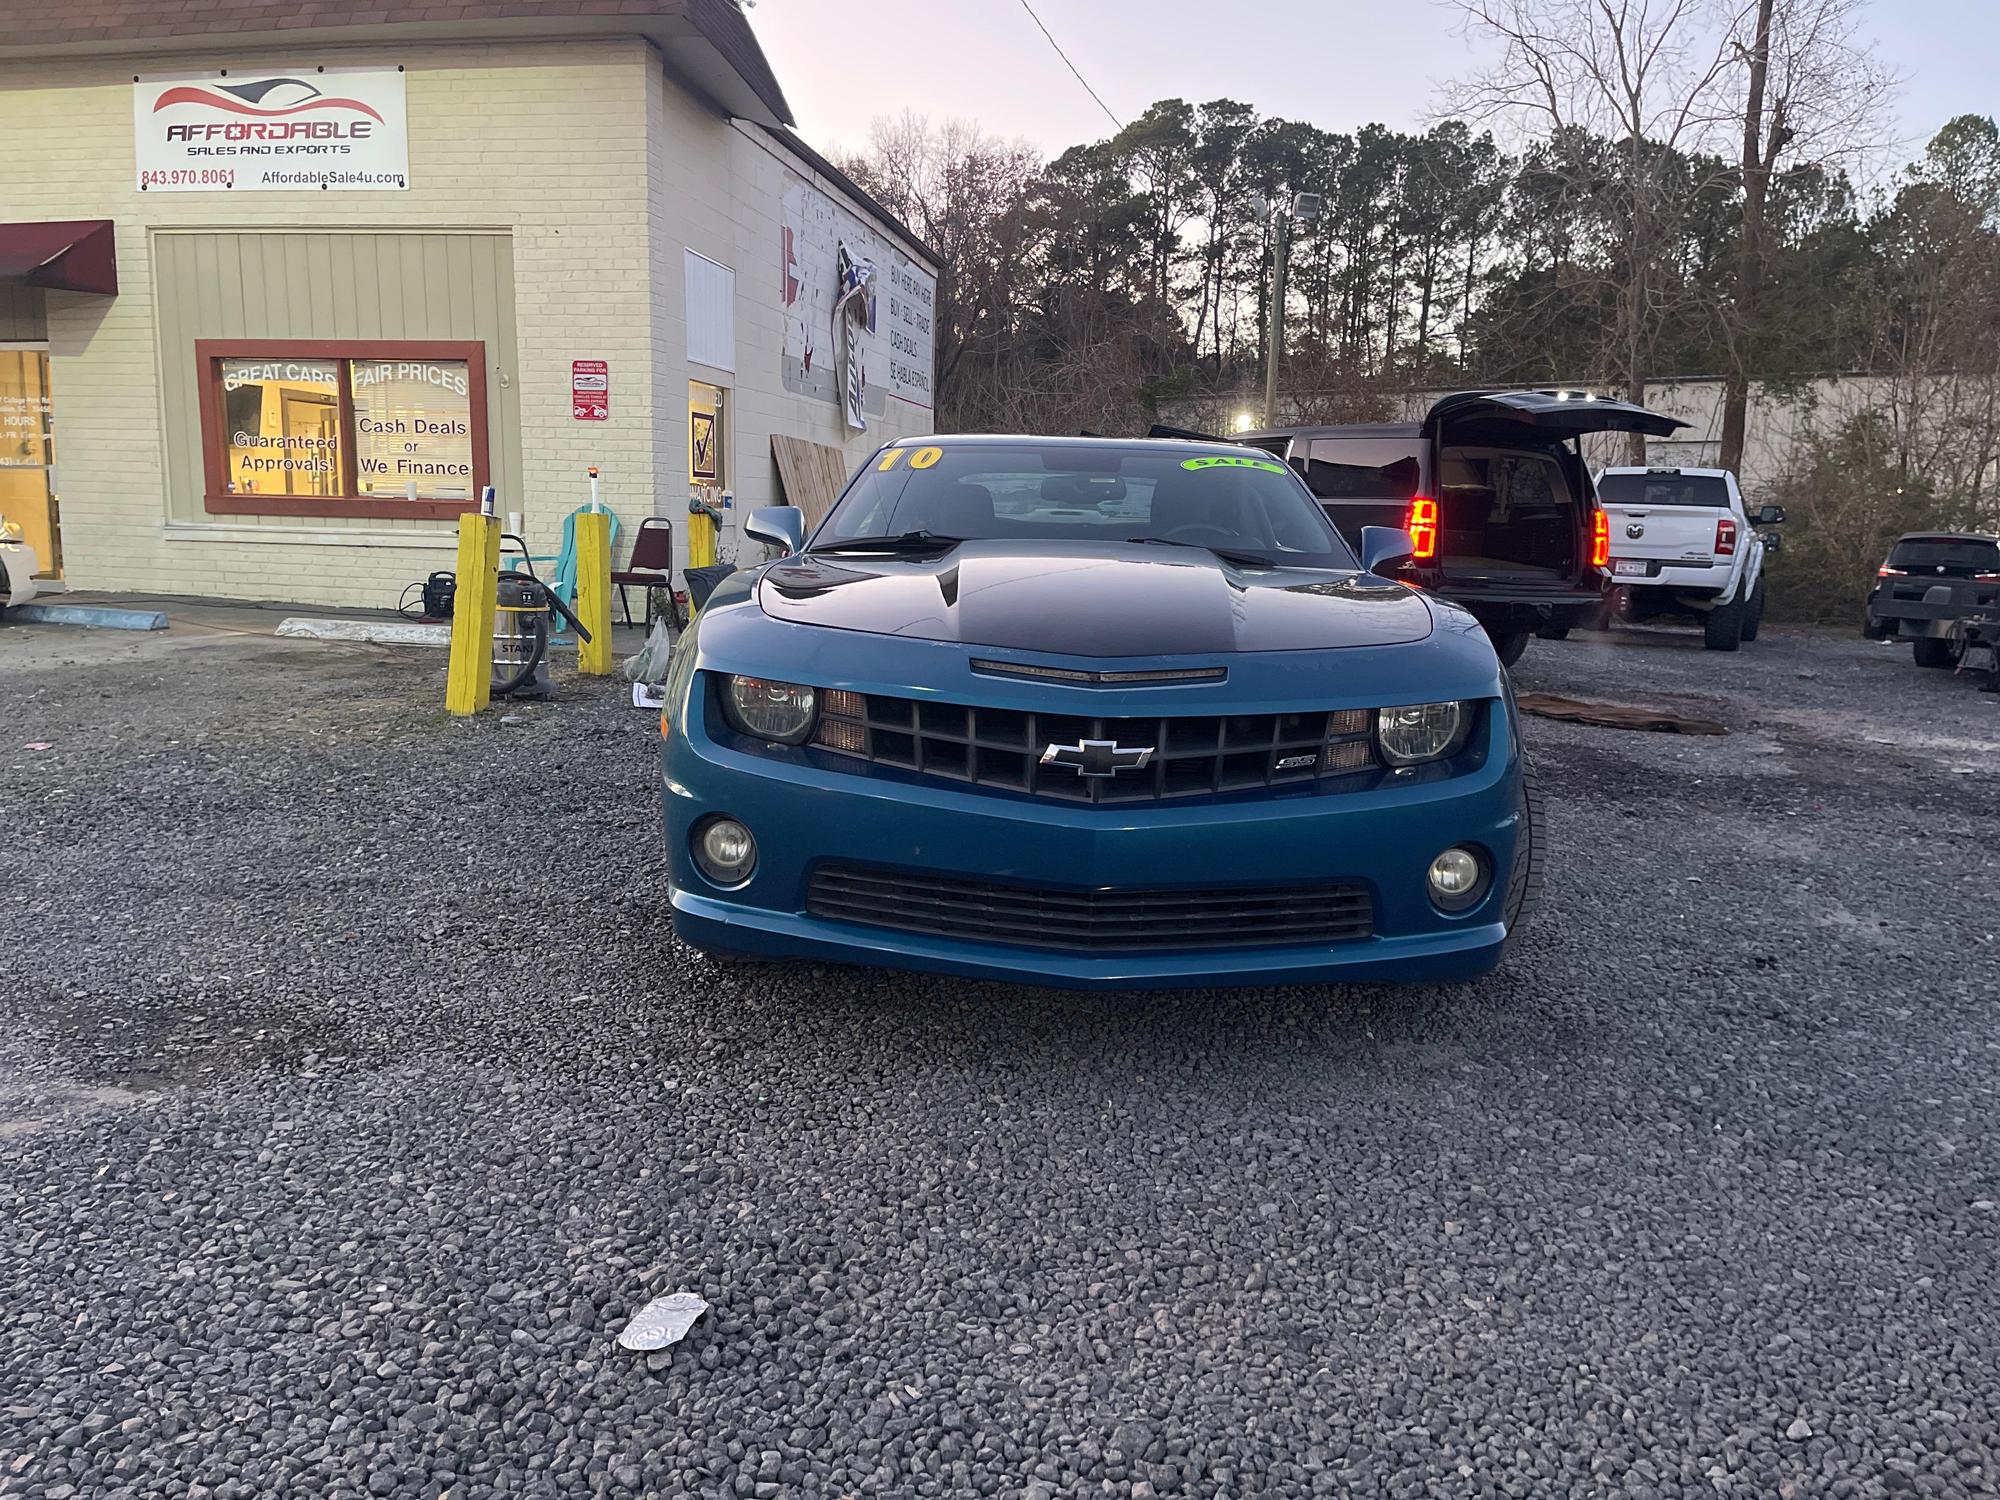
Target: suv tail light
{"points": [[1885, 571], [1423, 527], [1725, 537], [1600, 538]]}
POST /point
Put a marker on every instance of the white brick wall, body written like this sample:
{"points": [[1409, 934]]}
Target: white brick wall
{"points": [[600, 168]]}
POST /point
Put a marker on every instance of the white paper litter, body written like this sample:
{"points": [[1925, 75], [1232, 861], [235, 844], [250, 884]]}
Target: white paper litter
{"points": [[663, 1321]]}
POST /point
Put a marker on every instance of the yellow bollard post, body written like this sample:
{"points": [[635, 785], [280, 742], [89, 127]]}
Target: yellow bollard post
{"points": [[593, 592], [468, 683], [701, 538]]}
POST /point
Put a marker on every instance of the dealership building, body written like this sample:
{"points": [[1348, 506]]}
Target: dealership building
{"points": [[283, 287]]}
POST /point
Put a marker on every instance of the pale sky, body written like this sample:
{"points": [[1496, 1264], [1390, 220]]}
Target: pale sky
{"points": [[1336, 63]]}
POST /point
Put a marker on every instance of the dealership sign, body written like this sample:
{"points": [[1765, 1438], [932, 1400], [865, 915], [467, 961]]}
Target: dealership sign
{"points": [[325, 129]]}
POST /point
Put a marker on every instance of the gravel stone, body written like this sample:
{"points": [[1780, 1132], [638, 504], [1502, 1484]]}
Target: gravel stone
{"points": [[352, 1084]]}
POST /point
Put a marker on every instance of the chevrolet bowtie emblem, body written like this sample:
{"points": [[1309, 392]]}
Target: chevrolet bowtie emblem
{"points": [[1098, 757]]}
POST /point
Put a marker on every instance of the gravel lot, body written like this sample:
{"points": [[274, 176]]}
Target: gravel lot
{"points": [[353, 1093]]}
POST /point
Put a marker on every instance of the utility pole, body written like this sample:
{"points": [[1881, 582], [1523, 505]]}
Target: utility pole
{"points": [[1281, 252], [1303, 207]]}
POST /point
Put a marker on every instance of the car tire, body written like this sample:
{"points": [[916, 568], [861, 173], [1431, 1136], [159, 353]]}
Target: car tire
{"points": [[1754, 620], [1524, 881], [1509, 645], [1723, 629], [1934, 651]]}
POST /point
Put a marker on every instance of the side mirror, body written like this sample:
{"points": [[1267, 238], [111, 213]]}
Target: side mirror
{"points": [[1385, 547], [1774, 543], [782, 526], [1771, 515]]}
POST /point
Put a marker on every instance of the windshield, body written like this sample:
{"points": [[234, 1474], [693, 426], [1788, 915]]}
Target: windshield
{"points": [[1663, 489], [1964, 554], [1252, 509]]}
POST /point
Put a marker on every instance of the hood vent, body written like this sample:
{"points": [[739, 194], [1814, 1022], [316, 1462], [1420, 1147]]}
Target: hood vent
{"points": [[1080, 678]]}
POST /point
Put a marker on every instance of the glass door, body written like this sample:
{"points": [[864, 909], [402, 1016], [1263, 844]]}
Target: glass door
{"points": [[27, 453]]}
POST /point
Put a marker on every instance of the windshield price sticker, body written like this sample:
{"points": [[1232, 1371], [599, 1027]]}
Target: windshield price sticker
{"points": [[1232, 463]]}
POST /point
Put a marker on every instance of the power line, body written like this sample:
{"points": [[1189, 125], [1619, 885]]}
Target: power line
{"points": [[1072, 66]]}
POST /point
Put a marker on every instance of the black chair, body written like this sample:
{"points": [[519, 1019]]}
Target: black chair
{"points": [[651, 564]]}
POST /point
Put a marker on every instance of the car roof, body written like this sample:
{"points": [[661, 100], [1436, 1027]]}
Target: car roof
{"points": [[1040, 440], [1664, 469], [1938, 535], [1339, 429]]}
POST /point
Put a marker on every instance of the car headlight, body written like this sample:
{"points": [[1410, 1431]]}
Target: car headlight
{"points": [[769, 710], [1420, 731]]}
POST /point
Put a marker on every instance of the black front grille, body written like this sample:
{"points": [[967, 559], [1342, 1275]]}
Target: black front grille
{"points": [[1189, 756], [1091, 921]]}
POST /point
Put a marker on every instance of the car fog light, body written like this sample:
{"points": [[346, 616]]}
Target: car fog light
{"points": [[725, 851], [1457, 879]]}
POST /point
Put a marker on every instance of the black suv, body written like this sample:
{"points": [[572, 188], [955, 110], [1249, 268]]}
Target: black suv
{"points": [[1929, 581], [1492, 487]]}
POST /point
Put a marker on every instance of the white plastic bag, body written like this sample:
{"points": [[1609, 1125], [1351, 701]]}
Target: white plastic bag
{"points": [[649, 663], [663, 1321]]}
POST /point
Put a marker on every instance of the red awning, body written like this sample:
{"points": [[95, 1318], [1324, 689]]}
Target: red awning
{"points": [[65, 255]]}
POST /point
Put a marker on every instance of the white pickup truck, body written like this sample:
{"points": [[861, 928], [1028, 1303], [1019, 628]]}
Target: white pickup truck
{"points": [[1682, 543]]}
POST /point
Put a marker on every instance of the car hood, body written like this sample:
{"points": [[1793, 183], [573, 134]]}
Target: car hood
{"points": [[1093, 599]]}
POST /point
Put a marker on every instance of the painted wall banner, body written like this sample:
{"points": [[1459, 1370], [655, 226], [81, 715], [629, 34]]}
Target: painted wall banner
{"points": [[886, 322], [853, 312], [590, 390], [326, 129]]}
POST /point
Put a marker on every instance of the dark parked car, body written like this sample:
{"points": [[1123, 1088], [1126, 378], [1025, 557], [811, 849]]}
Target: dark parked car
{"points": [[1930, 581], [1492, 487]]}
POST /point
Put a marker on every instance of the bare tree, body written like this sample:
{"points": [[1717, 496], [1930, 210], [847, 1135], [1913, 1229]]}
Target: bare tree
{"points": [[1813, 94], [1654, 76], [961, 191]]}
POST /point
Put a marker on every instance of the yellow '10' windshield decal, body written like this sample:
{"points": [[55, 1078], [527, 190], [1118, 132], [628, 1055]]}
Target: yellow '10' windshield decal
{"points": [[1232, 463]]}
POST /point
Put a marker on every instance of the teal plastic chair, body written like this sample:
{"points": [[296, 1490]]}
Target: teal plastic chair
{"points": [[561, 578]]}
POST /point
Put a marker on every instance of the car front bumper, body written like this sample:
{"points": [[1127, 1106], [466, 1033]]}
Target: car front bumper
{"points": [[1383, 839]]}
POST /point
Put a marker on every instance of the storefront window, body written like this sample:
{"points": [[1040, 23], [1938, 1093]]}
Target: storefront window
{"points": [[283, 421], [413, 428], [343, 427], [706, 439]]}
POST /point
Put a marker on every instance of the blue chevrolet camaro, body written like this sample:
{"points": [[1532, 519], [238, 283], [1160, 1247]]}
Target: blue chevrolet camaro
{"points": [[1093, 713]]}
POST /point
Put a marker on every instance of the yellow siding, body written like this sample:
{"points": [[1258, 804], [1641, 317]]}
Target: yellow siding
{"points": [[331, 285], [540, 145], [553, 189]]}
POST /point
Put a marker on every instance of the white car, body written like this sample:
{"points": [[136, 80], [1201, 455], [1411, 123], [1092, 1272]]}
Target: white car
{"points": [[18, 566], [1682, 543]]}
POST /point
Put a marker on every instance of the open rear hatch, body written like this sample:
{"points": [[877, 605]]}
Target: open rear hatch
{"points": [[1555, 415], [1511, 487]]}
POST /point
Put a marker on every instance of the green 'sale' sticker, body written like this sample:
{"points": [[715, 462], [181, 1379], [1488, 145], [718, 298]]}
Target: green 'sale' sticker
{"points": [[1232, 463]]}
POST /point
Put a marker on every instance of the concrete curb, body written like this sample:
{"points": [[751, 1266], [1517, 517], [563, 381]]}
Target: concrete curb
{"points": [[375, 632], [93, 616]]}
